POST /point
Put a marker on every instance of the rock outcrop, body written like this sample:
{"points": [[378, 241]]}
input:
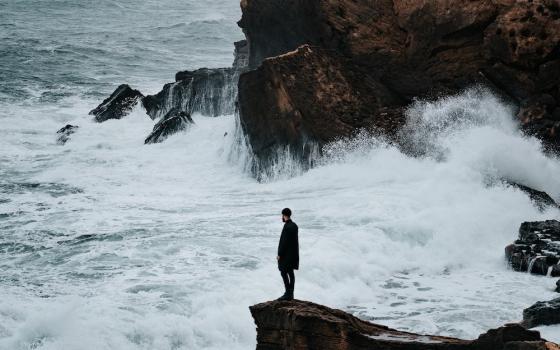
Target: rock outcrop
{"points": [[64, 133], [538, 248], [541, 199], [119, 104], [292, 325], [558, 286], [173, 122], [210, 92], [542, 313], [382, 55]]}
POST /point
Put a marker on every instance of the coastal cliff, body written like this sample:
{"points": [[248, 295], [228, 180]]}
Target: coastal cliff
{"points": [[323, 70]]}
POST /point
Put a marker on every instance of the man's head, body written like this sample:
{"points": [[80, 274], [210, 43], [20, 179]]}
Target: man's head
{"points": [[286, 214]]}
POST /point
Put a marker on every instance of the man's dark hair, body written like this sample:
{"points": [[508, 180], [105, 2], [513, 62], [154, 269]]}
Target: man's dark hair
{"points": [[287, 212]]}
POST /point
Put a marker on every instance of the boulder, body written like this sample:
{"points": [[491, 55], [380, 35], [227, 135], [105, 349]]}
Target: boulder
{"points": [[400, 50], [558, 286], [292, 325], [173, 122], [119, 104], [537, 250], [65, 132], [542, 313]]}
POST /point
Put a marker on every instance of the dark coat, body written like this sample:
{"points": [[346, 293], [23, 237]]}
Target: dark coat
{"points": [[288, 247]]}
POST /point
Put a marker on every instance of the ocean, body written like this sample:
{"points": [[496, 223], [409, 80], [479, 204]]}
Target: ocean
{"points": [[107, 243]]}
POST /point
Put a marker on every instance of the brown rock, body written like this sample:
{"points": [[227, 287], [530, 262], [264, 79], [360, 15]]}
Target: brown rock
{"points": [[350, 27], [310, 97], [396, 50], [292, 325], [526, 33]]}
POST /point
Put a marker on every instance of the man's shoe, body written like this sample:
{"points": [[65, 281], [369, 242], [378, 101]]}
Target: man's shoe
{"points": [[283, 297]]}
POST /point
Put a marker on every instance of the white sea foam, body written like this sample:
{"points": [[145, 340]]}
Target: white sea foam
{"points": [[184, 238]]}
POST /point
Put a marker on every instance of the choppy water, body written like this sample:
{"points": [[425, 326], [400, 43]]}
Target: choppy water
{"points": [[106, 243]]}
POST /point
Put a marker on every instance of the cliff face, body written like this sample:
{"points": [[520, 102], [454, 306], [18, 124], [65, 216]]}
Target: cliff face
{"points": [[371, 58], [308, 97], [304, 325]]}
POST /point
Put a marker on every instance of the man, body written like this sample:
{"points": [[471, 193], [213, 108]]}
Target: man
{"points": [[288, 254]]}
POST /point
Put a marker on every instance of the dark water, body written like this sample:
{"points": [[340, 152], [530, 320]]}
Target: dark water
{"points": [[54, 49]]}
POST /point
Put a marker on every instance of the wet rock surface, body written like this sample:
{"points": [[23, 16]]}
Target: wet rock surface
{"points": [[210, 92], [64, 133], [119, 104], [537, 250], [173, 122], [542, 313], [397, 50], [309, 97], [541, 199], [304, 325]]}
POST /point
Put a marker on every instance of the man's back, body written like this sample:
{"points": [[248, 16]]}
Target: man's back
{"points": [[288, 254], [288, 248]]}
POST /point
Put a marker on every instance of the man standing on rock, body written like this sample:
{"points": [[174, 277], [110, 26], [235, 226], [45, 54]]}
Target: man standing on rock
{"points": [[288, 254]]}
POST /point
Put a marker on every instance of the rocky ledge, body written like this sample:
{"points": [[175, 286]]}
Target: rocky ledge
{"points": [[537, 250], [292, 325]]}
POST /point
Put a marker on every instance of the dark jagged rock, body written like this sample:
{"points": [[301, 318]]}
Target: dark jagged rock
{"points": [[210, 92], [558, 286], [538, 248], [293, 325], [540, 198], [118, 105], [542, 313], [400, 50], [64, 133], [173, 122]]}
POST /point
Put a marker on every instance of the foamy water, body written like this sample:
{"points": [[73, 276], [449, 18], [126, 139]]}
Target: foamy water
{"points": [[107, 243]]}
